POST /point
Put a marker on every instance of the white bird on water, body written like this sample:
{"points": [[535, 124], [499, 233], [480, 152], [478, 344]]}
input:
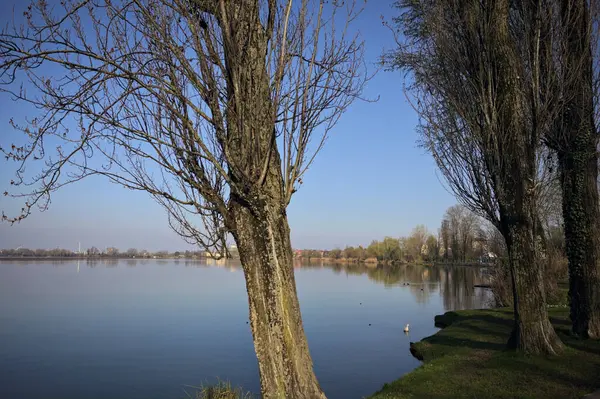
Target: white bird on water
{"points": [[406, 328]]}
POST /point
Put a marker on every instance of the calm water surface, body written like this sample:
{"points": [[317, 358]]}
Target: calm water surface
{"points": [[146, 329]]}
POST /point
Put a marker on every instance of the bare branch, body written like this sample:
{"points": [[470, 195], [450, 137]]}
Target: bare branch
{"points": [[156, 97]]}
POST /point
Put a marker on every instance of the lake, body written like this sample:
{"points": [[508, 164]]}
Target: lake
{"points": [[147, 328]]}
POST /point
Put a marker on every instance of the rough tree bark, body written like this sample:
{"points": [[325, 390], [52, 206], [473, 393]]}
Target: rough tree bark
{"points": [[516, 188], [581, 213], [259, 223], [532, 331], [285, 364], [576, 142]]}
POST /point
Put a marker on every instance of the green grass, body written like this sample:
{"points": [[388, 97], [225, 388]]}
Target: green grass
{"points": [[221, 390], [467, 359]]}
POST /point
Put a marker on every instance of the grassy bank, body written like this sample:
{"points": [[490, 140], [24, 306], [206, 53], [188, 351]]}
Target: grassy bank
{"points": [[467, 359], [222, 390]]}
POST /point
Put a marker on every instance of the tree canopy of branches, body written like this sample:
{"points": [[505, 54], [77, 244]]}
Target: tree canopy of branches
{"points": [[215, 108], [482, 95]]}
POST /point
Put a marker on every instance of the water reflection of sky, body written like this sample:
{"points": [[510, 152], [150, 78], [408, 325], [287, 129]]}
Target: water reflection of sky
{"points": [[144, 329]]}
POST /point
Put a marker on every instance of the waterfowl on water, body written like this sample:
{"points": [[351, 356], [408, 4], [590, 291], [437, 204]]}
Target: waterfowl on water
{"points": [[406, 328]]}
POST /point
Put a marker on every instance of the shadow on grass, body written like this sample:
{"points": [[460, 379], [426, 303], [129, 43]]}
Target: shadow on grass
{"points": [[499, 334], [478, 324], [489, 330], [581, 345], [488, 318], [559, 321], [467, 343], [478, 331], [468, 358]]}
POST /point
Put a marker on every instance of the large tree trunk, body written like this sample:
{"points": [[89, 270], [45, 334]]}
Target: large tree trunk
{"points": [[581, 212], [285, 364], [532, 331], [516, 192], [578, 164], [257, 217]]}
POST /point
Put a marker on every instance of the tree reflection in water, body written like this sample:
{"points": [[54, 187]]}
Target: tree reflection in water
{"points": [[455, 284]]}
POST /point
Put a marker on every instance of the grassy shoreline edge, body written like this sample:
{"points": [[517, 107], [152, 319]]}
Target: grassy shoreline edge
{"points": [[466, 358]]}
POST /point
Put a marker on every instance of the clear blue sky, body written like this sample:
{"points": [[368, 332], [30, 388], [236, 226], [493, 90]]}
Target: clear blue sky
{"points": [[370, 181]]}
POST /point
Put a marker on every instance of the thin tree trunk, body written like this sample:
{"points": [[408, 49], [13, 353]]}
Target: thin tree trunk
{"points": [[578, 166], [285, 364]]}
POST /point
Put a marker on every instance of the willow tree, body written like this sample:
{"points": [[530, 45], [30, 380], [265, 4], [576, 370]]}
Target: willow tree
{"points": [[574, 139], [482, 98], [214, 108]]}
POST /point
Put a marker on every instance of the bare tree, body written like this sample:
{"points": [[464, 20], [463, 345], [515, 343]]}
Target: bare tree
{"points": [[482, 98], [445, 238], [494, 240], [454, 223], [468, 232], [462, 226], [131, 253], [574, 140], [215, 108]]}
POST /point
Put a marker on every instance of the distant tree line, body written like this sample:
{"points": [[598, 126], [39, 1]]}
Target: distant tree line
{"points": [[463, 237], [110, 252], [26, 252]]}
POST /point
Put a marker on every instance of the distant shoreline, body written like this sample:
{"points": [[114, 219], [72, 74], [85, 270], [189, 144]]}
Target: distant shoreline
{"points": [[97, 258], [372, 262], [342, 261]]}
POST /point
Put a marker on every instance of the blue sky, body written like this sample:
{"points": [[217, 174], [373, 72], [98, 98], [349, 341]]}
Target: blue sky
{"points": [[371, 179]]}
